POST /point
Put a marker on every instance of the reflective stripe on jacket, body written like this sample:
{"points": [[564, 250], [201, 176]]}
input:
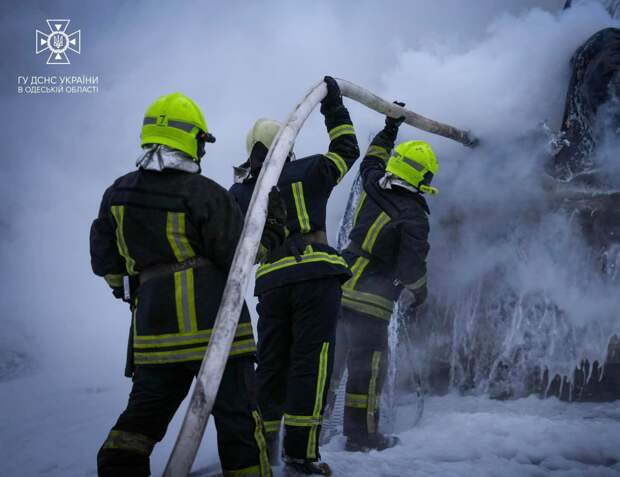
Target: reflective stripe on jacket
{"points": [[151, 218], [305, 186], [389, 239]]}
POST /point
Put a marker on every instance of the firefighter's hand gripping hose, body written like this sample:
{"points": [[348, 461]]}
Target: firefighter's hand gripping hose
{"points": [[211, 371]]}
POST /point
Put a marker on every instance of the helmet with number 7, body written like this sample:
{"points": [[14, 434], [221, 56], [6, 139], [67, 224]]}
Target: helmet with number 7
{"points": [[415, 163], [176, 121]]}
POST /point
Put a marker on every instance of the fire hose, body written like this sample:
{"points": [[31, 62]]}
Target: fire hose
{"points": [[212, 368]]}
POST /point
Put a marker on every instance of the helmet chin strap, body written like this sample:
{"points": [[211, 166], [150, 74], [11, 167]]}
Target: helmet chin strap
{"points": [[428, 190]]}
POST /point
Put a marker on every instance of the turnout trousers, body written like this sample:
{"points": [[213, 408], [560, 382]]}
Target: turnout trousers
{"points": [[296, 337], [156, 394], [363, 346]]}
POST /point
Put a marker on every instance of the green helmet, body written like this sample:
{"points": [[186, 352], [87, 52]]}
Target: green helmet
{"points": [[415, 163], [263, 131], [176, 121]]}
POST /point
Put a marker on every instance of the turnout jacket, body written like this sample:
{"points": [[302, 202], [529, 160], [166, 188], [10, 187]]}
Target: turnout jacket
{"points": [[389, 239], [176, 232], [305, 185]]}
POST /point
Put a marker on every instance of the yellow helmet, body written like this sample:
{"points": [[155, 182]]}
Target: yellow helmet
{"points": [[176, 121], [263, 131], [415, 163]]}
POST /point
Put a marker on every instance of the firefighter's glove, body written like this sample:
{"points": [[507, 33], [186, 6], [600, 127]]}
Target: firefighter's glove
{"points": [[409, 302], [275, 227], [296, 246], [118, 292], [392, 124], [333, 98]]}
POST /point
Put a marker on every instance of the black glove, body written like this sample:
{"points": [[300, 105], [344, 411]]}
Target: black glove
{"points": [[333, 98], [119, 293], [275, 227], [392, 124], [296, 246], [409, 302]]}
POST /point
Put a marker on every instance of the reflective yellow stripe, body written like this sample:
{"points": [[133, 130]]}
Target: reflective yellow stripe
{"points": [[378, 151], [129, 441], [301, 421], [300, 206], [177, 237], [417, 284], [372, 393], [259, 437], [340, 164], [201, 338], [253, 471], [114, 280], [190, 354], [262, 252], [272, 426], [321, 380], [185, 299], [370, 298], [366, 308], [175, 356], [373, 232], [358, 401], [241, 347], [311, 257], [118, 212], [357, 269], [341, 131], [358, 208], [369, 242], [318, 400], [174, 339]]}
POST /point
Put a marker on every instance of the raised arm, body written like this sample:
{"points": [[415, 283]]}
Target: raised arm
{"points": [[343, 148], [375, 161]]}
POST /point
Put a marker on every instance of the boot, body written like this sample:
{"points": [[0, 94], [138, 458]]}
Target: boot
{"points": [[376, 441], [297, 467]]}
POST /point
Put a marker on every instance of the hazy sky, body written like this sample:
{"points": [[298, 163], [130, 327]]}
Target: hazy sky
{"points": [[498, 68]]}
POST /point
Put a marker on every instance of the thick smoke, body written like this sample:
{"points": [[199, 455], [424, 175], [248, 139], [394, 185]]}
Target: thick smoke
{"points": [[514, 281], [498, 69]]}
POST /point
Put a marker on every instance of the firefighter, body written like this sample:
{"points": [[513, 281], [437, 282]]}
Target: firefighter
{"points": [[387, 255], [174, 231], [299, 287]]}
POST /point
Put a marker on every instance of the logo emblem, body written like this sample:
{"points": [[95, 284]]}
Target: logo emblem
{"points": [[58, 41]]}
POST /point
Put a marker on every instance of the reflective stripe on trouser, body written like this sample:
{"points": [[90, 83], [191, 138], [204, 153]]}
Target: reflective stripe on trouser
{"points": [[272, 426], [129, 441], [368, 303], [313, 421], [367, 367], [156, 394], [296, 332]]}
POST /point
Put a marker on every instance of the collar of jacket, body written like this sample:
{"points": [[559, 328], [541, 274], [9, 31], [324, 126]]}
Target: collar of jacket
{"points": [[158, 157], [242, 173], [389, 181], [251, 168]]}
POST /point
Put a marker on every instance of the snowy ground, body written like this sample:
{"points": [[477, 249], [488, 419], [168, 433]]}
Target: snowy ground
{"points": [[50, 430]]}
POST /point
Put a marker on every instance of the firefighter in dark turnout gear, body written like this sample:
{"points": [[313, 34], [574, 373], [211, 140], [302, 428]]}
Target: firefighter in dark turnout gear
{"points": [[387, 255], [299, 287], [174, 231]]}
